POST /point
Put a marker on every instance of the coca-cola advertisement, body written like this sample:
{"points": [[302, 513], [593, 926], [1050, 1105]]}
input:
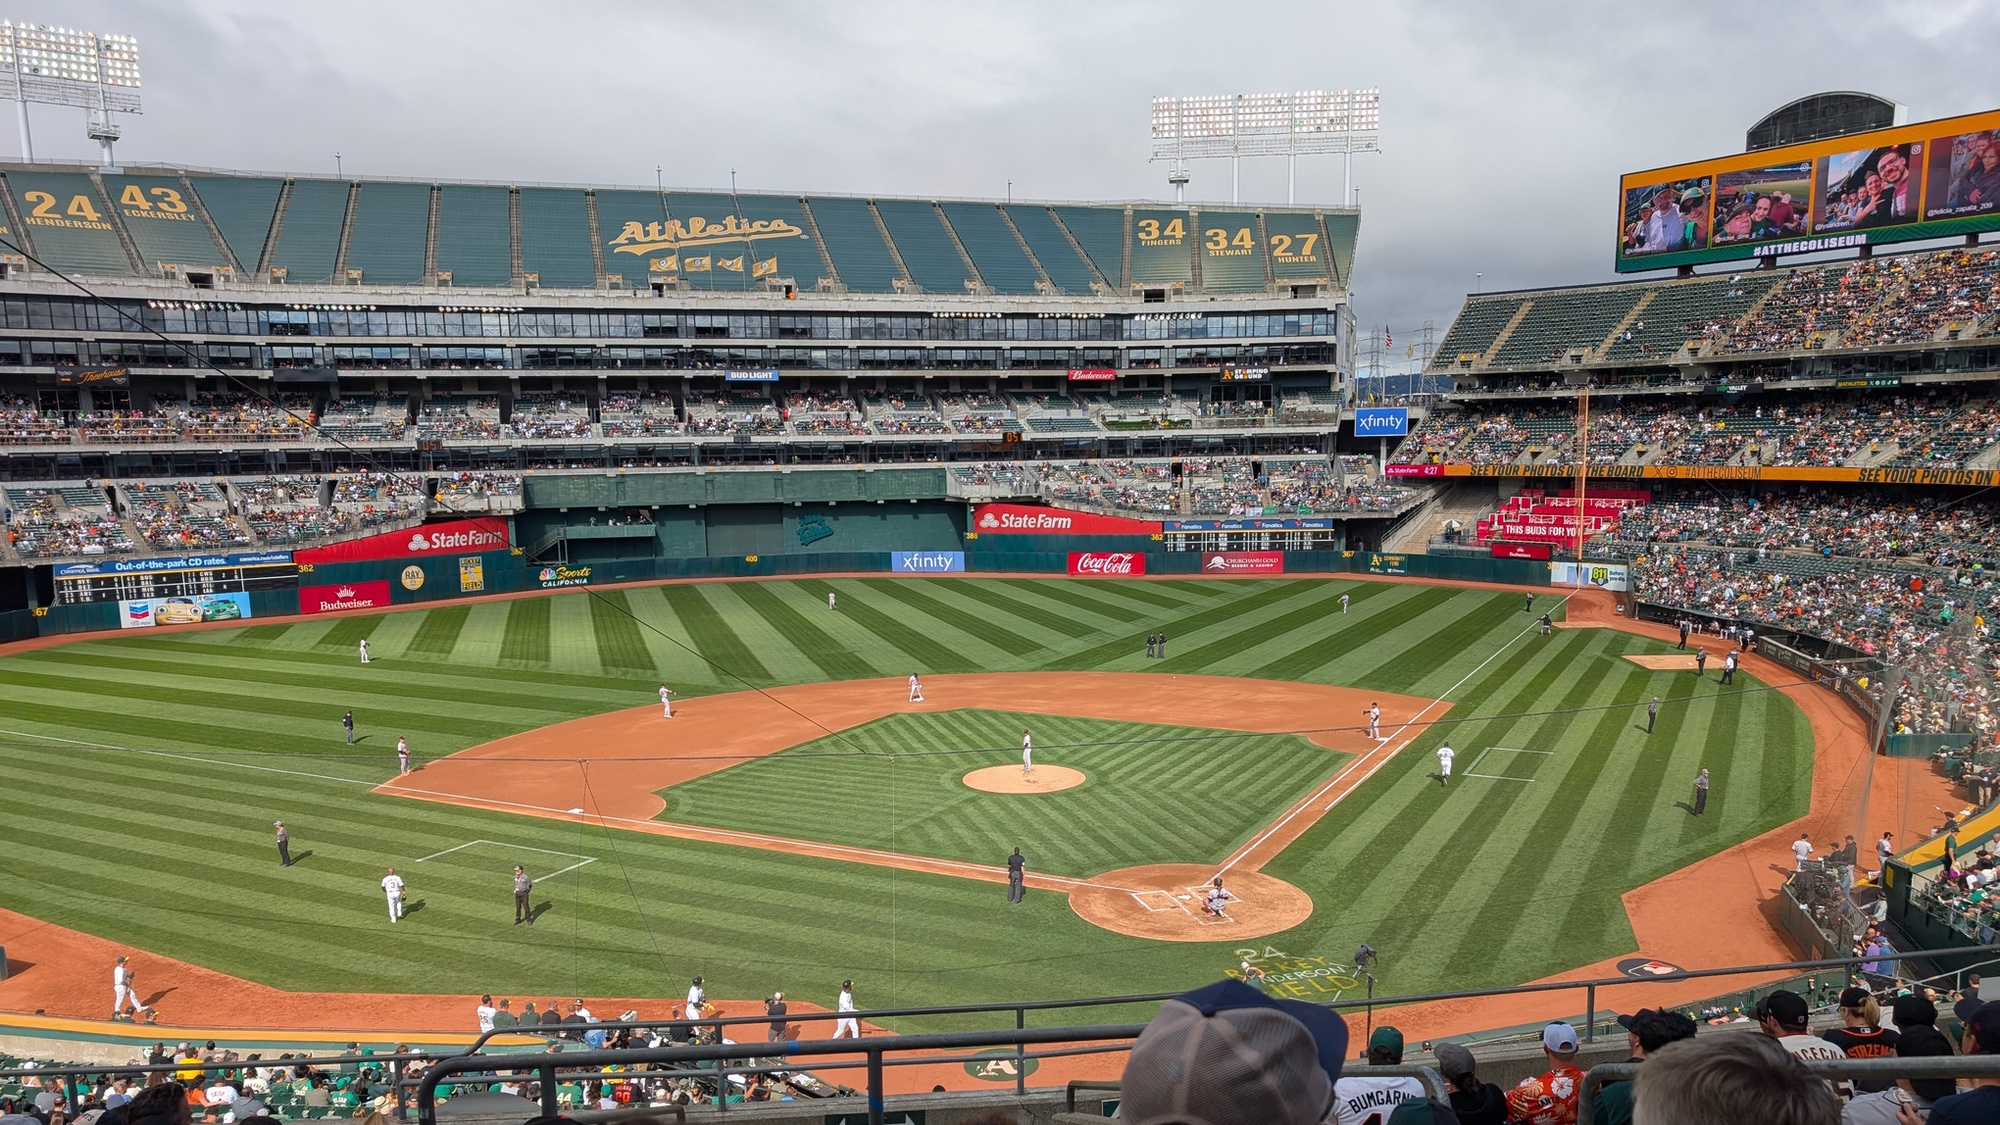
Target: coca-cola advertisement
{"points": [[1027, 519], [1243, 562], [1413, 470], [1106, 564]]}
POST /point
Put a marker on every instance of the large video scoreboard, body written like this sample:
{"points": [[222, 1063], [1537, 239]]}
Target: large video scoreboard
{"points": [[186, 576]]}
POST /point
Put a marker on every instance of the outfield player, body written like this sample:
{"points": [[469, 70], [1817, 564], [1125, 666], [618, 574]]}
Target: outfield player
{"points": [[402, 755], [847, 1024], [1530, 607], [284, 843], [364, 650], [667, 700], [916, 689], [831, 601], [1161, 648], [122, 990], [1343, 603], [1374, 714], [392, 885], [1445, 755], [1027, 756]]}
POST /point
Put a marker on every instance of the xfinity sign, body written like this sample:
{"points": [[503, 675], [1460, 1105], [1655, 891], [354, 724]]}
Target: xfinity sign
{"points": [[1381, 421], [927, 562]]}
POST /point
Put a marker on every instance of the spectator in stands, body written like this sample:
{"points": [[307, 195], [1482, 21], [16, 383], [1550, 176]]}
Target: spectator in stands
{"points": [[1784, 1015], [1916, 1024], [1646, 1031], [1861, 1034], [1549, 1098], [1229, 1055], [1982, 1102], [164, 1104], [1359, 1095], [1475, 1102], [1729, 1080]]}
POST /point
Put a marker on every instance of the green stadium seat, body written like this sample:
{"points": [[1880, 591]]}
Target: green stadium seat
{"points": [[241, 208], [992, 247], [1478, 325], [391, 224], [1101, 233], [616, 211], [473, 236], [1298, 250], [164, 223], [555, 238], [1059, 259], [926, 247], [859, 255], [1163, 259], [795, 257], [66, 220], [1230, 261], [309, 239], [714, 210], [1565, 320]]}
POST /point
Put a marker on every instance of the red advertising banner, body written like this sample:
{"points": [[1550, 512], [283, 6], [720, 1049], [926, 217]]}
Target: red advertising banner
{"points": [[347, 595], [1092, 374], [1243, 562], [1026, 519], [1413, 470], [454, 537], [1106, 564], [1521, 550]]}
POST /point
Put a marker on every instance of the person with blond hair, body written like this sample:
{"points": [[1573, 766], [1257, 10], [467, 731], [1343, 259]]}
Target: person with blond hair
{"points": [[1861, 1034]]}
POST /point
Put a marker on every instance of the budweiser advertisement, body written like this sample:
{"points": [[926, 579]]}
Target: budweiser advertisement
{"points": [[1027, 519], [456, 537], [1106, 564], [1243, 562], [1520, 550], [1413, 470], [347, 595]]}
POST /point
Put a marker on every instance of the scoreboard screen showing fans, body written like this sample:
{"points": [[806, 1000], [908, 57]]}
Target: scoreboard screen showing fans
{"points": [[1937, 179]]}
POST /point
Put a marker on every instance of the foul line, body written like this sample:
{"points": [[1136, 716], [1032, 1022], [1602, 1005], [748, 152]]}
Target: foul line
{"points": [[587, 859], [186, 757]]}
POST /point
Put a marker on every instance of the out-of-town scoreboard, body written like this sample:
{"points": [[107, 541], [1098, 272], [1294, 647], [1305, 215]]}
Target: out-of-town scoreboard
{"points": [[180, 576]]}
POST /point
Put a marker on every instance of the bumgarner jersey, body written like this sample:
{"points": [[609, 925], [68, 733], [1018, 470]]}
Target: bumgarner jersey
{"points": [[1361, 1100]]}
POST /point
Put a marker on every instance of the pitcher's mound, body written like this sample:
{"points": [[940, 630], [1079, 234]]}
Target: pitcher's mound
{"points": [[1008, 779], [1164, 902]]}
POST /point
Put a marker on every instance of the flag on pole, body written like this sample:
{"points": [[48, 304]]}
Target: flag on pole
{"points": [[697, 265], [734, 265], [765, 268], [1388, 337]]}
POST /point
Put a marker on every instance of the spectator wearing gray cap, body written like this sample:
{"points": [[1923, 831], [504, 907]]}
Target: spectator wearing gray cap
{"points": [[1730, 1080], [1230, 1055], [1475, 1102], [1646, 1031]]}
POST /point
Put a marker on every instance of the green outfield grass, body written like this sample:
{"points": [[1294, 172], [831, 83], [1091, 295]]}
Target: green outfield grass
{"points": [[897, 782], [145, 770]]}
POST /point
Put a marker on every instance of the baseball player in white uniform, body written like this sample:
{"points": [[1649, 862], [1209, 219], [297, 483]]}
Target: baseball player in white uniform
{"points": [[1445, 755], [1027, 755], [846, 1025], [831, 601], [1374, 714], [364, 650], [916, 689], [122, 990], [667, 700], [1343, 603], [697, 999], [392, 886], [402, 755]]}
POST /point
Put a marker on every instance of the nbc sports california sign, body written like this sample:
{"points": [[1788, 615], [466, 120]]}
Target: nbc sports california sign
{"points": [[454, 537]]}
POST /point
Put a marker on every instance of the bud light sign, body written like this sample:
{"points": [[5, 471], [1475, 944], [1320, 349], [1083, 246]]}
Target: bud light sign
{"points": [[1106, 564], [1381, 421], [927, 562]]}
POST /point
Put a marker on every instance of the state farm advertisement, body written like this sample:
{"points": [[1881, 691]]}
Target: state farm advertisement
{"points": [[454, 537], [1243, 562], [1106, 564], [1413, 470], [347, 595], [1027, 519]]}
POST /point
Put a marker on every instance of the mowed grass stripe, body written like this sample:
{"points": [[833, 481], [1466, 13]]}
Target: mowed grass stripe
{"points": [[971, 624], [1358, 632], [711, 635], [348, 632], [438, 634], [1078, 596], [928, 653], [990, 595], [1262, 628], [1264, 595], [834, 660], [1462, 632], [620, 645], [526, 639], [443, 675]]}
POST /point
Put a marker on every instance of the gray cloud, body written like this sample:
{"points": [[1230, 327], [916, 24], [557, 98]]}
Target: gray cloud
{"points": [[1505, 126]]}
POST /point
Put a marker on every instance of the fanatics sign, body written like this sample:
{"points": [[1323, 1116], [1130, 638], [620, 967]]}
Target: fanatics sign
{"points": [[1106, 564], [1025, 519]]}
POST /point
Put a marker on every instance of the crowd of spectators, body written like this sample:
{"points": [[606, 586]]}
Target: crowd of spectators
{"points": [[459, 418], [23, 423], [477, 486], [217, 416], [724, 413], [650, 414], [45, 524], [543, 416], [1814, 303], [1940, 288], [186, 516], [1935, 531]]}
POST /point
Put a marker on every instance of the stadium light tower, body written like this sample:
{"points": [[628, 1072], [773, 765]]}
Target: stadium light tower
{"points": [[98, 74], [1233, 126]]}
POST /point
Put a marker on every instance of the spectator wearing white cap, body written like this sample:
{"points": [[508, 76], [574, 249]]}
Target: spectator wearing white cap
{"points": [[1549, 1098], [1230, 1055]]}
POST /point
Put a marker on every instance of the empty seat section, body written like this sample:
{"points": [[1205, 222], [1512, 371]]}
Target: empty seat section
{"points": [[1160, 247], [1298, 250], [993, 247], [1101, 233], [859, 255], [241, 208], [1341, 231], [1478, 325], [66, 221], [1058, 258], [1231, 255], [164, 223], [790, 252], [1688, 313], [391, 224], [555, 238], [474, 242], [1560, 322], [702, 221], [309, 238], [925, 245], [633, 225]]}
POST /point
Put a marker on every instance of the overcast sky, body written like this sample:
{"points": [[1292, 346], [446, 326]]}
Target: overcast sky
{"points": [[1504, 125]]}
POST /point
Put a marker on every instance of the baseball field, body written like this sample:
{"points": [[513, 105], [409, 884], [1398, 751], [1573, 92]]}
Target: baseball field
{"points": [[800, 822]]}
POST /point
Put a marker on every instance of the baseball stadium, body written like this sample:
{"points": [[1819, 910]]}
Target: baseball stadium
{"points": [[427, 599]]}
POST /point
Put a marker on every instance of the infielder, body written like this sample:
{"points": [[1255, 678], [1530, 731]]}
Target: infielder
{"points": [[916, 689], [522, 886], [667, 701], [1374, 714], [122, 990], [1445, 755], [403, 755], [1027, 756], [364, 650], [392, 885], [1343, 603], [847, 1024]]}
